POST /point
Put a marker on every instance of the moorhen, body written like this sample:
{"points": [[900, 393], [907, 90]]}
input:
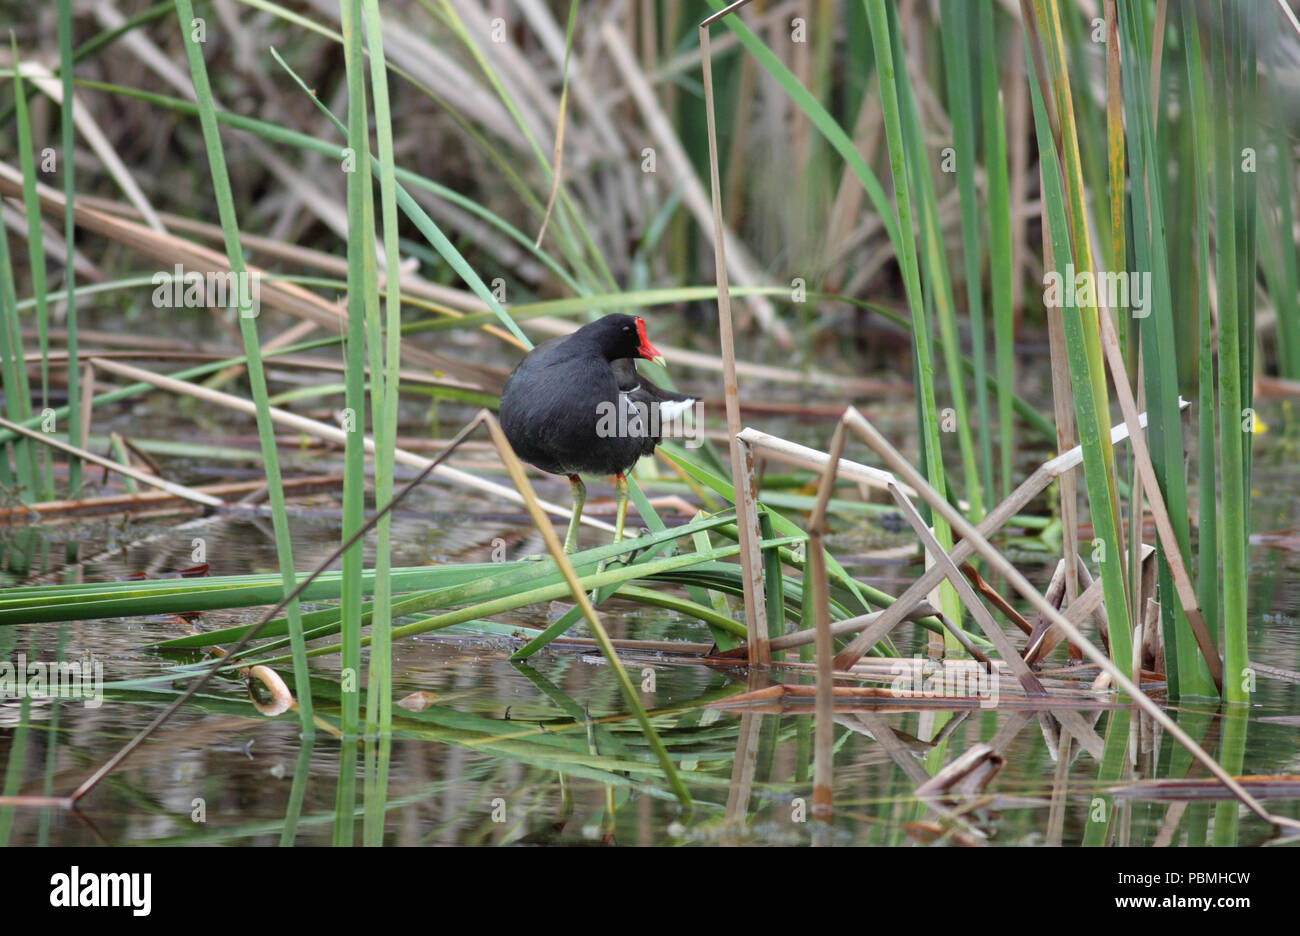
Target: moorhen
{"points": [[576, 405]]}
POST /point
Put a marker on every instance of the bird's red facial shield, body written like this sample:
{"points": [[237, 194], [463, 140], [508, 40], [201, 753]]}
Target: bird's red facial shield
{"points": [[647, 350]]}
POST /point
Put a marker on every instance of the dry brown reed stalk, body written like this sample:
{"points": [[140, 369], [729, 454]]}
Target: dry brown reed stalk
{"points": [[1066, 438], [994, 598], [922, 609], [804, 457], [742, 464], [144, 477], [155, 503]]}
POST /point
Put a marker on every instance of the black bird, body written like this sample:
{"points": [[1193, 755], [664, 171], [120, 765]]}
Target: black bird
{"points": [[576, 405]]}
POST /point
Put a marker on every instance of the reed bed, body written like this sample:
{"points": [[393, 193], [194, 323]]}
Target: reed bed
{"points": [[801, 186]]}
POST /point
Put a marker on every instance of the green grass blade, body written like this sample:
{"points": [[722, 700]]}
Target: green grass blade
{"points": [[379, 688], [66, 75], [1232, 475], [36, 259], [252, 347], [891, 106], [1208, 547], [956, 27], [1159, 350], [1098, 458]]}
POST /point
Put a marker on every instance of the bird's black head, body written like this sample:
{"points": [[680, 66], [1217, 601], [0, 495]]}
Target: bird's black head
{"points": [[621, 336]]}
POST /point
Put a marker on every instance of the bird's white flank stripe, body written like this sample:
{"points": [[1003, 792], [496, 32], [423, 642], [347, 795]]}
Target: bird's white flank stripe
{"points": [[671, 409]]}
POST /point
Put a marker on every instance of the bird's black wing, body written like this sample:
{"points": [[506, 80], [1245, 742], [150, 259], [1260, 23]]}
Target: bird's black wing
{"points": [[646, 400], [631, 382]]}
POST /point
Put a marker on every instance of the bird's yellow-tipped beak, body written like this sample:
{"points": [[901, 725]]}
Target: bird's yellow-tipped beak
{"points": [[659, 359]]}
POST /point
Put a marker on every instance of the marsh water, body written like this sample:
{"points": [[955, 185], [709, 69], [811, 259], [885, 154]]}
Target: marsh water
{"points": [[544, 751]]}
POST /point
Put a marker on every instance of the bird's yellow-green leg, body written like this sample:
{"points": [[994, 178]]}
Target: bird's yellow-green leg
{"points": [[579, 491], [620, 502], [620, 515]]}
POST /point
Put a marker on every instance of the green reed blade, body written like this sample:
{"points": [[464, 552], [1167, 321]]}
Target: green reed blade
{"points": [[252, 346], [956, 28], [1085, 373], [66, 75], [1232, 475], [36, 264], [1208, 545], [1185, 673], [891, 105]]}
